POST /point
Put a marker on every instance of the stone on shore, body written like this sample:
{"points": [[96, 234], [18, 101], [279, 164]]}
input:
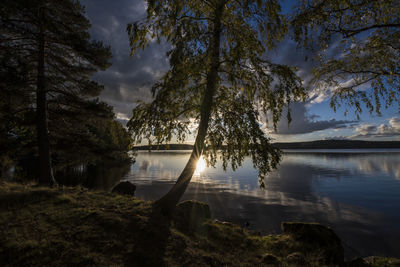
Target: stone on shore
{"points": [[320, 239], [190, 215], [124, 188]]}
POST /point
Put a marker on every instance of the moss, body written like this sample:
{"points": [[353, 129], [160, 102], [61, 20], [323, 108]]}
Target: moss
{"points": [[73, 226], [382, 261], [66, 226]]}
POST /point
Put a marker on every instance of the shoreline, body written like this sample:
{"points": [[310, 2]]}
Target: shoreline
{"points": [[72, 225]]}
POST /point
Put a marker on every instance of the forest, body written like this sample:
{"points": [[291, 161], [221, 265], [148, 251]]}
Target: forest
{"points": [[51, 117]]}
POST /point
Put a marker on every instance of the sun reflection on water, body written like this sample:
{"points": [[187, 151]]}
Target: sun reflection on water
{"points": [[200, 166]]}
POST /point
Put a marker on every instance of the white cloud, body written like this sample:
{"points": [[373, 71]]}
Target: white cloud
{"points": [[391, 129], [365, 129], [122, 116], [395, 122]]}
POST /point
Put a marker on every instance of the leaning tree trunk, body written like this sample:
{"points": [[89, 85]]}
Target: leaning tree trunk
{"points": [[167, 203], [45, 171]]}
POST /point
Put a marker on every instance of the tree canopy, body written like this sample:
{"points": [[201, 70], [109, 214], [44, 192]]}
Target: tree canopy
{"points": [[221, 78], [47, 64], [365, 35]]}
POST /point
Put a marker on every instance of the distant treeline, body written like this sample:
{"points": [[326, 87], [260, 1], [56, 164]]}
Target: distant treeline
{"points": [[338, 144], [165, 147], [320, 144]]}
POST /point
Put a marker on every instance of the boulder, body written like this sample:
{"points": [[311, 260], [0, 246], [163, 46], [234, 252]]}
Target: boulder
{"points": [[296, 258], [318, 238], [124, 188], [357, 262], [382, 261], [270, 259], [190, 215]]}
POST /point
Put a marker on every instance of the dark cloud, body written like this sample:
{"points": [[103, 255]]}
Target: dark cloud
{"points": [[303, 123], [128, 79]]}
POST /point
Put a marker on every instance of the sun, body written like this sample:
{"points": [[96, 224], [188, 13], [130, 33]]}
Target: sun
{"points": [[200, 166]]}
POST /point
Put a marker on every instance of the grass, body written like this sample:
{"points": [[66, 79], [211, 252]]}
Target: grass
{"points": [[66, 226], [73, 226]]}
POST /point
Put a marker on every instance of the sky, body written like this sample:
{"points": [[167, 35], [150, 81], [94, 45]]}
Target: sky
{"points": [[130, 78]]}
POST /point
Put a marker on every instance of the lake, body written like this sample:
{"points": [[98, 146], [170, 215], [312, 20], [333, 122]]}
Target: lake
{"points": [[356, 192]]}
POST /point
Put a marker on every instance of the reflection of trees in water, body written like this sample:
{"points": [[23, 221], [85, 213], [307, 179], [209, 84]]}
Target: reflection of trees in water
{"points": [[100, 176], [144, 166]]}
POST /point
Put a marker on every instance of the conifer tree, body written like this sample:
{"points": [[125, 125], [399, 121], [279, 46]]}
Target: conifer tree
{"points": [[53, 40]]}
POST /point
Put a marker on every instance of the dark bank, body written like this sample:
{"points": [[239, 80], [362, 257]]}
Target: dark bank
{"points": [[73, 226]]}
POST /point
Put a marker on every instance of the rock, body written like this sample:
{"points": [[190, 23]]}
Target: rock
{"points": [[318, 238], [382, 261], [189, 216], [296, 258], [269, 259], [357, 262], [124, 188]]}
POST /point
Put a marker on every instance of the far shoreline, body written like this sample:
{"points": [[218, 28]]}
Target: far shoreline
{"points": [[314, 145]]}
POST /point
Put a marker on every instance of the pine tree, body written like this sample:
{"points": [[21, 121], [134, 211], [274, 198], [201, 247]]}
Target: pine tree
{"points": [[52, 37], [220, 76]]}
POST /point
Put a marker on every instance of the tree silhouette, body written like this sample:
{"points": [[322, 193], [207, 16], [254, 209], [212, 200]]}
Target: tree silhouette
{"points": [[367, 36], [221, 77], [53, 41]]}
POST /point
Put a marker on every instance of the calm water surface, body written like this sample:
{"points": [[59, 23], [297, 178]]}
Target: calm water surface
{"points": [[356, 192]]}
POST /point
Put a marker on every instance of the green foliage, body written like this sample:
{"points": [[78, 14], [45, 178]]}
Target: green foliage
{"points": [[82, 129], [71, 56], [368, 34], [87, 134], [249, 85], [15, 106], [90, 140], [112, 139]]}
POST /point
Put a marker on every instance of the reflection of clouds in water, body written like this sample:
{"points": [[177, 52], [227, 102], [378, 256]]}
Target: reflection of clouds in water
{"points": [[265, 210], [384, 164], [291, 186], [301, 189], [297, 175], [363, 163], [365, 180]]}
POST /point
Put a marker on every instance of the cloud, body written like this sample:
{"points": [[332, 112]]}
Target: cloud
{"points": [[318, 91], [122, 118], [365, 129], [128, 79], [395, 122], [303, 123], [383, 130]]}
